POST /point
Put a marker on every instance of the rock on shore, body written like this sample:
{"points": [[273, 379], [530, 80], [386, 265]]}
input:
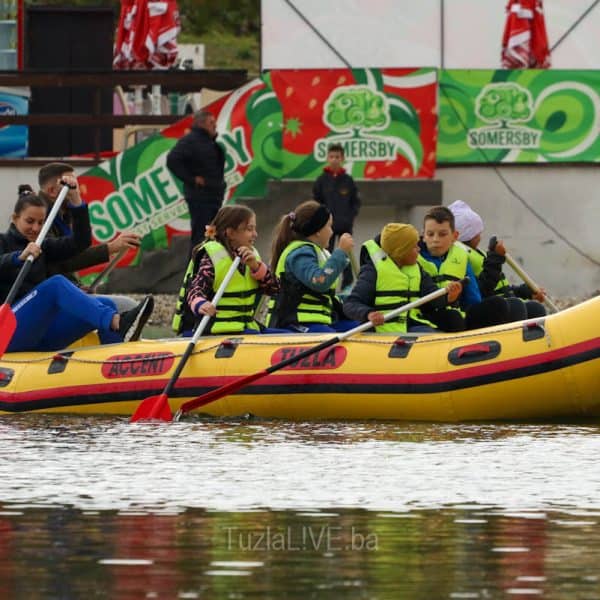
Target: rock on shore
{"points": [[164, 308]]}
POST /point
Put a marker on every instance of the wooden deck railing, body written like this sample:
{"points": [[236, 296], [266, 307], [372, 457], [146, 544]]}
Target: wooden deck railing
{"points": [[182, 81]]}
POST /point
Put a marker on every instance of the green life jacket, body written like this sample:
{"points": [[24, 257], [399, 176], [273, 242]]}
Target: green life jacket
{"points": [[396, 286], [235, 311], [453, 268], [295, 303], [476, 258]]}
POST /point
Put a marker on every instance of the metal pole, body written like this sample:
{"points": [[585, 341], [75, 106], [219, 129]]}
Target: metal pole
{"points": [[442, 40]]}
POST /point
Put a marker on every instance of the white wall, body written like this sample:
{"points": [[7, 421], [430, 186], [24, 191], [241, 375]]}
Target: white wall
{"points": [[566, 197], [405, 33], [541, 252], [10, 179]]}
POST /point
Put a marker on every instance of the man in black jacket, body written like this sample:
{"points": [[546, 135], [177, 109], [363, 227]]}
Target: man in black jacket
{"points": [[199, 162], [49, 179]]}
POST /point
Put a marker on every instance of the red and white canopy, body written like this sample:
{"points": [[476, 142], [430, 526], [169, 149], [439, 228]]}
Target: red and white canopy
{"points": [[146, 36], [525, 42]]}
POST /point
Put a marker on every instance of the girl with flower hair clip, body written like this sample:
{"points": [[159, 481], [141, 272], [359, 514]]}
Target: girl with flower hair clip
{"points": [[232, 232], [307, 272]]}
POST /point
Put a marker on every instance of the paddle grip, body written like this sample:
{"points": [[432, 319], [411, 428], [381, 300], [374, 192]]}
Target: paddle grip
{"points": [[50, 218]]}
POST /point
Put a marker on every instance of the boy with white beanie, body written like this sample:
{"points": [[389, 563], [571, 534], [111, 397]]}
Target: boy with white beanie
{"points": [[487, 266]]}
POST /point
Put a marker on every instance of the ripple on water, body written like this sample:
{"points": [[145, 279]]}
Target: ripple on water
{"points": [[107, 463]]}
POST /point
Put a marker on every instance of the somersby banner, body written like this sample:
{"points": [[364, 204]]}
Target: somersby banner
{"points": [[520, 116], [275, 127]]}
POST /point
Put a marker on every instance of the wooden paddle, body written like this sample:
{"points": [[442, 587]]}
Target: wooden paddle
{"points": [[157, 407], [108, 269], [535, 288], [244, 381], [8, 321]]}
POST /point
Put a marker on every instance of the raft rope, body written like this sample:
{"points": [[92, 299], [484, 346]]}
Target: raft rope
{"points": [[422, 339]]}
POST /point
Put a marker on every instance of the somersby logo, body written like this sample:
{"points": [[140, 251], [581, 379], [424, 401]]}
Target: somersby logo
{"points": [[354, 111], [503, 105]]}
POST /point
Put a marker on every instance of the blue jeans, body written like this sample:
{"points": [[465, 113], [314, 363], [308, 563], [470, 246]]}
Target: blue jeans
{"points": [[56, 313]]}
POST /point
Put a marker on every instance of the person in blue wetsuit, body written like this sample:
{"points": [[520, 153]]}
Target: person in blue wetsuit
{"points": [[50, 311]]}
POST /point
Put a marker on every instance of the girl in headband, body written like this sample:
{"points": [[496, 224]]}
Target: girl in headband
{"points": [[308, 273]]}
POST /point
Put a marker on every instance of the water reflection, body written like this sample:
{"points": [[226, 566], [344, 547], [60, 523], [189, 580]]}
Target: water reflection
{"points": [[451, 553], [96, 507]]}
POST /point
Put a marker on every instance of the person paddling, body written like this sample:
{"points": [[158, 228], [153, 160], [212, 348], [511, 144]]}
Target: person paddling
{"points": [[487, 266], [308, 272], [232, 232], [50, 311]]}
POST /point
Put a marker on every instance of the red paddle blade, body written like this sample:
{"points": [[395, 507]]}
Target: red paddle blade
{"points": [[8, 324], [153, 408]]}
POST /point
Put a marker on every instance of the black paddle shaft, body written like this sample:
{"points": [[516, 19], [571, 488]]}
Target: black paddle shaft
{"points": [[18, 281], [308, 352]]}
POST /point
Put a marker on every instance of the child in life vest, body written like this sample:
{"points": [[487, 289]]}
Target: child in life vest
{"points": [[487, 266], [390, 277], [307, 272], [232, 232], [446, 261]]}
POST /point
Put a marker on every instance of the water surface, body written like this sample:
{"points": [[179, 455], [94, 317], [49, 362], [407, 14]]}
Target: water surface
{"points": [[97, 507]]}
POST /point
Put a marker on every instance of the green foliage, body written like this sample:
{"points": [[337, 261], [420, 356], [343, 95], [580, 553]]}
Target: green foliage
{"points": [[240, 17]]}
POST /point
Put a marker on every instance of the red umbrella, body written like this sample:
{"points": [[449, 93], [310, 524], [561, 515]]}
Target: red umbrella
{"points": [[161, 37], [147, 34], [525, 42], [123, 58]]}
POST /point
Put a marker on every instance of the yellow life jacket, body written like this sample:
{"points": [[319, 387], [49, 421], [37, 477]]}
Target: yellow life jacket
{"points": [[453, 268], [235, 311], [396, 286], [296, 303]]}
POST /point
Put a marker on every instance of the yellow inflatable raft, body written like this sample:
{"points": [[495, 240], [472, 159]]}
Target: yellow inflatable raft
{"points": [[543, 369]]}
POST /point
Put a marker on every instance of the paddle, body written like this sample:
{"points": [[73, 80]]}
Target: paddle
{"points": [[535, 288], [157, 407], [244, 381], [8, 321], [106, 271]]}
